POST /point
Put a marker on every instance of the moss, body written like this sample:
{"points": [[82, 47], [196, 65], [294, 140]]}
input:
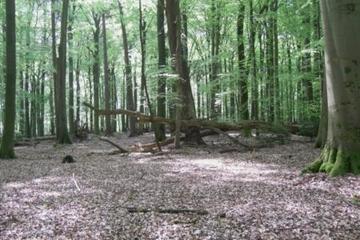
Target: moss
{"points": [[326, 167], [335, 162], [313, 167]]}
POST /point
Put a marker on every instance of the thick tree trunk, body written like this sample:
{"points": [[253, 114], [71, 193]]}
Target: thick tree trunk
{"points": [[243, 89], [185, 110], [341, 154], [161, 90], [7, 143], [62, 134]]}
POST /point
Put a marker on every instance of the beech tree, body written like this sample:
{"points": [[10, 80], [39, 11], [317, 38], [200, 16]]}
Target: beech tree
{"points": [[341, 153], [62, 134], [7, 141]]}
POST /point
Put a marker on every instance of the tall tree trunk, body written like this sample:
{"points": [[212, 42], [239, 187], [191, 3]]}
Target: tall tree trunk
{"points": [[252, 56], [71, 75], [161, 90], [78, 91], [27, 81], [62, 135], [342, 151], [7, 143], [186, 110], [129, 88], [96, 69], [53, 124], [215, 61], [243, 100], [319, 74], [108, 127]]}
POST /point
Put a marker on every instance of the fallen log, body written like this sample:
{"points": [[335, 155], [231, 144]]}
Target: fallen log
{"points": [[201, 124]]}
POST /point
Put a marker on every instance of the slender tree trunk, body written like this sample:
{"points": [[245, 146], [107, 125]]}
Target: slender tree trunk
{"points": [[252, 55], [215, 61], [96, 69], [7, 143], [27, 87], [71, 76], [129, 88], [78, 91], [108, 127], [53, 120]]}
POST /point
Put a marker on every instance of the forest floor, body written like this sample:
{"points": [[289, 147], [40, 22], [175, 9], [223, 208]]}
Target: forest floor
{"points": [[246, 195]]}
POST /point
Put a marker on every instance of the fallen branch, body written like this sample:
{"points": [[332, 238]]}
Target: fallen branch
{"points": [[234, 140], [122, 150], [167, 211], [201, 124]]}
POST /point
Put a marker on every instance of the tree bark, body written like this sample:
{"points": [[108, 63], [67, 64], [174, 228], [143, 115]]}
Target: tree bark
{"points": [[341, 154], [7, 143], [62, 134], [96, 69], [243, 89], [108, 127], [129, 88], [161, 90], [71, 75], [185, 110]]}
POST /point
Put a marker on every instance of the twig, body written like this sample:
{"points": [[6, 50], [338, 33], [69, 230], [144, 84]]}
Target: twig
{"points": [[74, 180]]}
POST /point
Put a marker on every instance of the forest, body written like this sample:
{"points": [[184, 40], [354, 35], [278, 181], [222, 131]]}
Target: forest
{"points": [[180, 119]]}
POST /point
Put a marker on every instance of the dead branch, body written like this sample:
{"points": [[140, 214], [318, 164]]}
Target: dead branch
{"points": [[122, 150]]}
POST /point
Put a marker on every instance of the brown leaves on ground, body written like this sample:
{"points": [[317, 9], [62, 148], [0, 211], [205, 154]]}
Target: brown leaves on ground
{"points": [[249, 195]]}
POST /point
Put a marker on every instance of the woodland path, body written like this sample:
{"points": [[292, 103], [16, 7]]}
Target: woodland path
{"points": [[248, 195]]}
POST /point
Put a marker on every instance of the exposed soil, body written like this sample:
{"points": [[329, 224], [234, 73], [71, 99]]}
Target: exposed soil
{"points": [[248, 195]]}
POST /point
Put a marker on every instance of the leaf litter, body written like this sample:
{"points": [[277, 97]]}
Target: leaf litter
{"points": [[256, 194]]}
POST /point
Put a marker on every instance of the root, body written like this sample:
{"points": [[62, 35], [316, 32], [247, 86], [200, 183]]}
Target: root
{"points": [[335, 162]]}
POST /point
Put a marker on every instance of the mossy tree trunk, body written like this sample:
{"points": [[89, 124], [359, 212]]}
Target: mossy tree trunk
{"points": [[7, 143], [341, 153]]}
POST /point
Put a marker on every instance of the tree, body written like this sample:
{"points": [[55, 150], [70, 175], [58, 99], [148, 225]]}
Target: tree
{"points": [[71, 74], [108, 126], [96, 67], [341, 153], [185, 110], [7, 143], [129, 88], [161, 91], [62, 134]]}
